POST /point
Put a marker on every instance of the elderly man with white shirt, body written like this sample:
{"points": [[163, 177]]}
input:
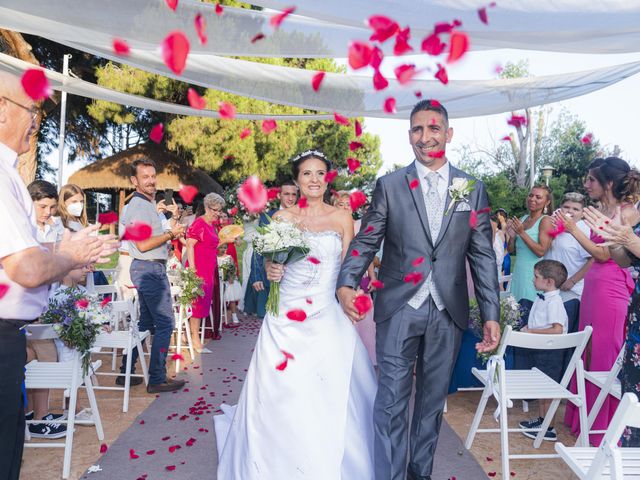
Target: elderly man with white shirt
{"points": [[26, 266]]}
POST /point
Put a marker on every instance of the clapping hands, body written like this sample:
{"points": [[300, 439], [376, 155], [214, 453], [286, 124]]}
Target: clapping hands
{"points": [[614, 231]]}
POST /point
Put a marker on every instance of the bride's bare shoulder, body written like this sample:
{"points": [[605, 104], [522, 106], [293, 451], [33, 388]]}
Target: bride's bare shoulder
{"points": [[286, 214]]}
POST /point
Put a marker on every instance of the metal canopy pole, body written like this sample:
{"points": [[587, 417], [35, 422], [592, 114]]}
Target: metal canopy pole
{"points": [[63, 119]]}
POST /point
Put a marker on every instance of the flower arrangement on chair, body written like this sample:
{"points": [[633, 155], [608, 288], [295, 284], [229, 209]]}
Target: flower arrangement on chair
{"points": [[510, 314]]}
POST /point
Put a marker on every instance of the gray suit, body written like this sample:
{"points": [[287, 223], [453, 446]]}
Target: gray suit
{"points": [[398, 216]]}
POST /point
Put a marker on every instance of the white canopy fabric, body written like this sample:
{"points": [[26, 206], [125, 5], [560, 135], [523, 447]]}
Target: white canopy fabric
{"points": [[575, 26], [462, 98]]}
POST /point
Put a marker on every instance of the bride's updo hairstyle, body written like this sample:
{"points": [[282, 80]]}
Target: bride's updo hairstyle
{"points": [[306, 155], [625, 181]]}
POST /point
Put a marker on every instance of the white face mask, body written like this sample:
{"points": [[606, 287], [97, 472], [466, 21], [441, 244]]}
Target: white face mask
{"points": [[76, 209]]}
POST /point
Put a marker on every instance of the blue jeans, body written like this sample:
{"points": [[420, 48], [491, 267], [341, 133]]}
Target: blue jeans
{"points": [[156, 315]]}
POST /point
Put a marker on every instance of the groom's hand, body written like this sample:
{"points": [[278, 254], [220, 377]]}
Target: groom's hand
{"points": [[490, 337], [346, 296]]}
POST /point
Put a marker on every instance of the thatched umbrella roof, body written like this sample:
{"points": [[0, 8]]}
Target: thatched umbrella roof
{"points": [[112, 173]]}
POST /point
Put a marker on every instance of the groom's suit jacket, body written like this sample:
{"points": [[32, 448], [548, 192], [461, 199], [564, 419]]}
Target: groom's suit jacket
{"points": [[398, 216]]}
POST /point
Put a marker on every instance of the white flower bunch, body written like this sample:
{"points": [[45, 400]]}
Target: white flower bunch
{"points": [[277, 236], [225, 262], [459, 190], [98, 312]]}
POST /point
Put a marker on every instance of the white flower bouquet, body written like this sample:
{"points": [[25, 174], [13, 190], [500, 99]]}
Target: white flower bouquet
{"points": [[459, 190], [280, 242]]}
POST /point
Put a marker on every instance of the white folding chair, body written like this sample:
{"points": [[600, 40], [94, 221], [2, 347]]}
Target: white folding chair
{"points": [[126, 340], [505, 279], [508, 385], [69, 377], [608, 384], [608, 460], [104, 290], [182, 315], [110, 273]]}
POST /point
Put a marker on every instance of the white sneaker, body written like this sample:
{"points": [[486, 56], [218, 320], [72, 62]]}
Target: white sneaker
{"points": [[235, 318], [84, 415]]}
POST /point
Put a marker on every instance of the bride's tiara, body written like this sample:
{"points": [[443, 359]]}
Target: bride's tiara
{"points": [[309, 153]]}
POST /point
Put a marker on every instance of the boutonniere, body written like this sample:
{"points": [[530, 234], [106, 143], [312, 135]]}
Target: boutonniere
{"points": [[459, 190]]}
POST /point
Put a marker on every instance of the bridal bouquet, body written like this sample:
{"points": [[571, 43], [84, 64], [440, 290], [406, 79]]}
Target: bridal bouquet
{"points": [[78, 318], [510, 314], [228, 268], [280, 242]]}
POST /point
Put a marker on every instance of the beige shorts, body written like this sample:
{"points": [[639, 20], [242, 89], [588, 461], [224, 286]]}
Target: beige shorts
{"points": [[43, 350]]}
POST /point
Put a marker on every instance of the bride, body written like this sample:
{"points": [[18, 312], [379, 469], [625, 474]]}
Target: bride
{"points": [[312, 419]]}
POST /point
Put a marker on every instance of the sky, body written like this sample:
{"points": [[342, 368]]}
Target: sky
{"points": [[610, 113]]}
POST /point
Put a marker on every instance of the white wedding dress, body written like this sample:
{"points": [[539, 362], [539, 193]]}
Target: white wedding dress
{"points": [[314, 419]]}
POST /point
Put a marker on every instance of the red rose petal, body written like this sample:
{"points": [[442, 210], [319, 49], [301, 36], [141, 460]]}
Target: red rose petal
{"points": [[137, 232], [287, 355], [473, 219], [104, 303], [330, 176], [156, 133], [390, 105], [316, 80], [358, 128], [433, 45], [353, 146], [414, 183], [188, 193], [219, 9], [363, 304], [297, 315], [560, 228], [489, 459], [376, 58], [353, 164], [341, 120], [195, 100], [107, 218], [369, 229], [190, 442], [377, 284], [482, 13], [257, 36], [441, 74], [175, 48], [517, 120], [413, 277], [35, 84], [313, 260], [120, 47], [103, 448], [405, 73], [402, 42], [269, 126], [379, 82], [309, 301], [491, 474], [253, 194], [587, 139], [245, 133], [227, 110], [276, 20], [177, 356], [355, 253], [418, 94], [172, 4], [458, 46], [150, 452], [417, 261], [438, 154], [132, 454], [359, 54], [232, 211], [272, 193], [506, 138], [303, 203], [357, 199], [201, 28], [384, 28], [170, 468]]}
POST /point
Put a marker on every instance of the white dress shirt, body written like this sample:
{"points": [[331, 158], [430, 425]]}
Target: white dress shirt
{"points": [[51, 233], [443, 181], [18, 232], [544, 313]]}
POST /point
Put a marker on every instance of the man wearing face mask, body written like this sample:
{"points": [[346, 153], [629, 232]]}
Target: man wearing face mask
{"points": [[26, 267]]}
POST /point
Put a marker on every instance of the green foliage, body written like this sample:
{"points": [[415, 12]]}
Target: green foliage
{"points": [[504, 193], [191, 285]]}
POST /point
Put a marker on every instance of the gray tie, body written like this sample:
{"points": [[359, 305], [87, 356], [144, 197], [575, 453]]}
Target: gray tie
{"points": [[433, 204]]}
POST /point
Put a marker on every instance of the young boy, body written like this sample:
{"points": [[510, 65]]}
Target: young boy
{"points": [[547, 316]]}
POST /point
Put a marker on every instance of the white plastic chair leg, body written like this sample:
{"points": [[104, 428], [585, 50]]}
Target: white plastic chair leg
{"points": [[68, 444], [476, 419], [93, 403], [143, 361], [127, 378]]}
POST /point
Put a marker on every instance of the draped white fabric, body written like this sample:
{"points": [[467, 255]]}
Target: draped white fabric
{"points": [[352, 96], [606, 26]]}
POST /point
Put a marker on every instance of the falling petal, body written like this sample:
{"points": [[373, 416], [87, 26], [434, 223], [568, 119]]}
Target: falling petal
{"points": [[383, 27], [438, 154], [506, 138], [363, 304], [253, 194], [156, 133], [458, 46], [177, 356], [414, 183], [353, 146], [402, 42], [433, 45], [201, 28], [376, 58], [137, 232], [473, 219], [188, 193], [330, 176], [560, 228], [276, 20], [355, 253], [272, 193], [303, 203], [313, 260], [369, 229], [219, 9], [357, 199], [358, 128], [517, 120], [418, 94], [377, 284], [341, 120], [417, 261], [104, 303], [120, 47], [482, 13], [172, 4], [587, 139], [353, 164], [309, 301], [269, 126], [257, 36], [195, 100], [316, 80], [390, 105], [413, 277], [297, 315], [35, 84], [379, 81], [359, 54], [175, 48], [107, 218], [245, 133], [441, 74], [227, 110], [405, 73]]}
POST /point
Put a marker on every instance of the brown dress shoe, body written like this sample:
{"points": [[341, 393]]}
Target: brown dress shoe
{"points": [[169, 385]]}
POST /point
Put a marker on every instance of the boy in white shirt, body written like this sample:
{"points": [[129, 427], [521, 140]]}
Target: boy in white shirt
{"points": [[547, 316]]}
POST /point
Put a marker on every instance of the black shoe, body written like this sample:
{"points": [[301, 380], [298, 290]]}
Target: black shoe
{"points": [[169, 385], [48, 430], [531, 424], [550, 435], [132, 381]]}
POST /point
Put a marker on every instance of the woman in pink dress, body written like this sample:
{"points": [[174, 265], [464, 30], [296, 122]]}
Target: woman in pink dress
{"points": [[607, 287], [202, 243]]}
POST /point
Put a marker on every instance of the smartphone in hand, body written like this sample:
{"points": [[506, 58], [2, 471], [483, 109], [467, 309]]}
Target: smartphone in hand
{"points": [[168, 196]]}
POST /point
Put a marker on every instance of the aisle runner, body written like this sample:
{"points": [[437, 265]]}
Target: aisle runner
{"points": [[174, 437]]}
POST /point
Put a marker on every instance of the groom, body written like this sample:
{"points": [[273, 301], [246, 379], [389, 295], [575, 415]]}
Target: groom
{"points": [[423, 308]]}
